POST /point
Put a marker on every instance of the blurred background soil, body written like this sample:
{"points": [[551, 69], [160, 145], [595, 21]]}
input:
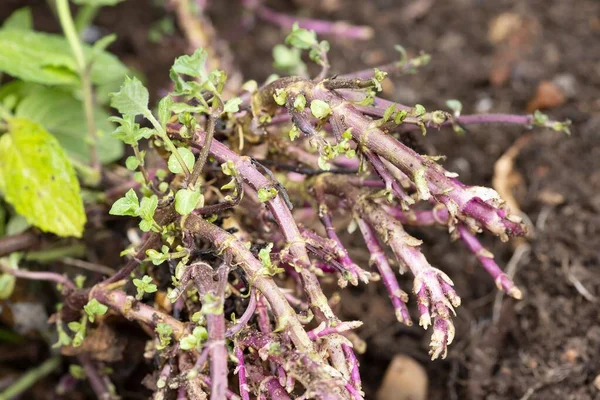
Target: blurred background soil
{"points": [[497, 56]]}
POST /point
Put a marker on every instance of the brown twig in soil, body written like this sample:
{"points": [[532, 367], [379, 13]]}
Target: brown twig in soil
{"points": [[19, 242]]}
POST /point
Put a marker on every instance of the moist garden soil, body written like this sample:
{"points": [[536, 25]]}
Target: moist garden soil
{"points": [[546, 346]]}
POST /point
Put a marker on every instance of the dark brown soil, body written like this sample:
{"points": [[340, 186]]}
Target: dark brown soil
{"points": [[546, 346]]}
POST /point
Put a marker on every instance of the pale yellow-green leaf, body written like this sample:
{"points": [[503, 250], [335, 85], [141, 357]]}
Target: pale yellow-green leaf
{"points": [[38, 179]]}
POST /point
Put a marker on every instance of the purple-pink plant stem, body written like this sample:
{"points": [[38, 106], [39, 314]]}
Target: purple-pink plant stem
{"points": [[215, 322], [321, 331], [321, 27], [317, 299], [379, 259], [436, 216], [284, 219], [430, 179], [355, 271], [431, 285], [228, 244], [354, 372], [135, 310], [40, 276], [269, 383], [96, 382], [390, 183], [228, 394], [313, 375], [264, 324], [440, 216], [487, 261], [245, 318], [241, 372]]}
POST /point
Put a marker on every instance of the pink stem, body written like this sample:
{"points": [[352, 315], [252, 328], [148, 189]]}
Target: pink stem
{"points": [[321, 27], [245, 318], [321, 331], [354, 372], [487, 261], [40, 276], [378, 258], [241, 369]]}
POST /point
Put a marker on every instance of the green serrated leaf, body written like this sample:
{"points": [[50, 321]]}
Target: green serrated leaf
{"points": [[232, 105], [20, 19], [301, 38], [128, 131], [39, 180], [132, 99], [164, 110], [128, 205], [62, 115], [46, 58], [288, 60], [132, 163], [194, 65], [186, 200], [186, 155], [93, 308], [148, 207]]}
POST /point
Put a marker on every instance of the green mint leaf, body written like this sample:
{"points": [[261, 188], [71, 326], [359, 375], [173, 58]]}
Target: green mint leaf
{"points": [[232, 105], [320, 109], [77, 371], [47, 59], [93, 308], [194, 65], [419, 110], [403, 53], [132, 99], [300, 102], [280, 97], [38, 179], [455, 106], [186, 200], [132, 163], [323, 164], [128, 131], [267, 194], [389, 112], [157, 257], [164, 110], [19, 19], [143, 286], [188, 159], [288, 60], [301, 38], [61, 114], [148, 207], [164, 332], [7, 285], [128, 205], [146, 225], [200, 333], [188, 342]]}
